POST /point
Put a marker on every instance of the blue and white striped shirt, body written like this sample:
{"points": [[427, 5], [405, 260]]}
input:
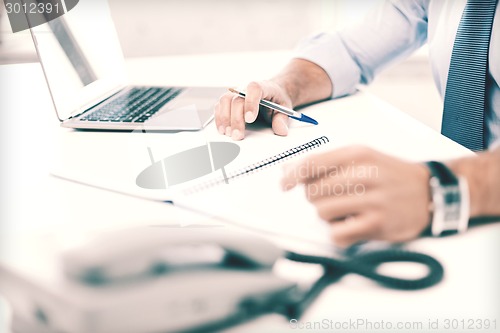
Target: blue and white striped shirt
{"points": [[393, 31]]}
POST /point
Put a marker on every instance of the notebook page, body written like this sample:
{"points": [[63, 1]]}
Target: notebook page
{"points": [[257, 201]]}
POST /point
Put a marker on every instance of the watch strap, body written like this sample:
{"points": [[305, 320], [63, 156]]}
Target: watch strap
{"points": [[442, 172], [450, 198]]}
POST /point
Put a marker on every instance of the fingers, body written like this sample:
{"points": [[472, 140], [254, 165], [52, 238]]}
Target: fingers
{"points": [[233, 112], [354, 229], [338, 185], [333, 209], [344, 161], [253, 96], [223, 113], [237, 128], [280, 124], [350, 223]]}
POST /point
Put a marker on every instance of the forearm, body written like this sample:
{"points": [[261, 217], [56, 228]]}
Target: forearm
{"points": [[483, 176], [304, 82]]}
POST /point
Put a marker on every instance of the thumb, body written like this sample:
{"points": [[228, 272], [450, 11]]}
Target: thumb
{"points": [[280, 124]]}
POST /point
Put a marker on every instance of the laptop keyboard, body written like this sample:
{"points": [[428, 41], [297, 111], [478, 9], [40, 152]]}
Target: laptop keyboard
{"points": [[136, 105]]}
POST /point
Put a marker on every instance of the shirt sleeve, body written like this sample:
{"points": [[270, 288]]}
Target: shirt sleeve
{"points": [[355, 55], [495, 145]]}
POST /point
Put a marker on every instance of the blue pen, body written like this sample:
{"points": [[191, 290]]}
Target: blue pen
{"points": [[289, 112]]}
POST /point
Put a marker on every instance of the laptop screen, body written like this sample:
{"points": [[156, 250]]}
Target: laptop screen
{"points": [[81, 57]]}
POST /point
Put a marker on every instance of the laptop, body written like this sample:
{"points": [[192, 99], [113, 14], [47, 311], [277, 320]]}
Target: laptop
{"points": [[84, 68]]}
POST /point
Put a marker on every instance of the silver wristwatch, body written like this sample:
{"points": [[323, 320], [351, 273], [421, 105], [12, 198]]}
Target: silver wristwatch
{"points": [[450, 200]]}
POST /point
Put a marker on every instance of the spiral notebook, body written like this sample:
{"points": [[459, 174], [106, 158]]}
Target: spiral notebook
{"points": [[253, 198], [223, 179]]}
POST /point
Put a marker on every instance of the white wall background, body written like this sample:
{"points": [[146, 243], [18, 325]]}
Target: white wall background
{"points": [[160, 27], [165, 27]]}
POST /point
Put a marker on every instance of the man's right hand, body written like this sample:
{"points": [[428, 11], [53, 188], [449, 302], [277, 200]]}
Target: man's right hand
{"points": [[299, 83], [233, 112]]}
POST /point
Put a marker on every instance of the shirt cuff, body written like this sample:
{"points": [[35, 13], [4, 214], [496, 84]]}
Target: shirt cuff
{"points": [[328, 51], [495, 145]]}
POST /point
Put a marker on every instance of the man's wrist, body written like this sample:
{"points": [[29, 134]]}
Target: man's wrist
{"points": [[474, 169], [304, 82], [289, 87]]}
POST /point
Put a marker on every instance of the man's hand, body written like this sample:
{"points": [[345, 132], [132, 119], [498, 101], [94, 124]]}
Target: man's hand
{"points": [[364, 194], [300, 82], [232, 112]]}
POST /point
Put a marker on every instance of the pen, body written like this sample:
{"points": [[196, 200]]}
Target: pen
{"points": [[289, 112]]}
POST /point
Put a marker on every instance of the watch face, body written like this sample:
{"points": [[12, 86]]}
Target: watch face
{"points": [[451, 206], [451, 199]]}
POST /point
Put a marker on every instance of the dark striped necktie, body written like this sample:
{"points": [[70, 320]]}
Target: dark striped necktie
{"points": [[464, 102]]}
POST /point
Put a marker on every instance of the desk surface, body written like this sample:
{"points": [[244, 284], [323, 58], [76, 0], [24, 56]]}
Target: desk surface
{"points": [[35, 203]]}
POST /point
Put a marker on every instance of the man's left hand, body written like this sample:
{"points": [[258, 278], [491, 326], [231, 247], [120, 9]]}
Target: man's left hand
{"points": [[364, 194]]}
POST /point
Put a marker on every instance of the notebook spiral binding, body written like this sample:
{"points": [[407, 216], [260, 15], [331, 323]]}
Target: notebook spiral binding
{"points": [[279, 158]]}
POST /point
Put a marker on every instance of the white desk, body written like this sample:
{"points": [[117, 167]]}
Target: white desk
{"points": [[34, 203]]}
